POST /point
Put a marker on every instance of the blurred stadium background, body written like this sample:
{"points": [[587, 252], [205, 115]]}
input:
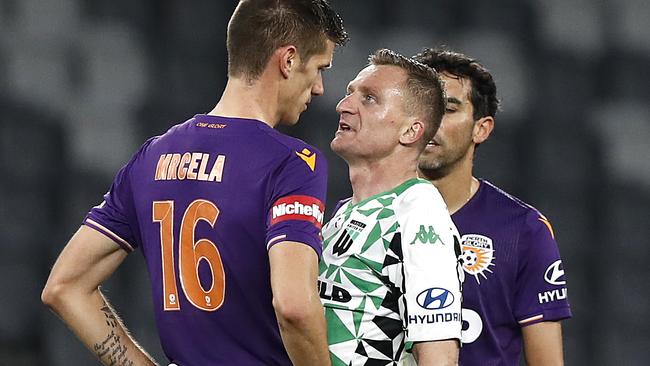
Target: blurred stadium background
{"points": [[83, 83]]}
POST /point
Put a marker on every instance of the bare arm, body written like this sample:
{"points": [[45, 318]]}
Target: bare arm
{"points": [[543, 344], [294, 273], [443, 353], [72, 292]]}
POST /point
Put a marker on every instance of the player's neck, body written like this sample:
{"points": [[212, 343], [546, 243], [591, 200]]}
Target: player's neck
{"points": [[242, 99], [369, 178], [458, 186]]}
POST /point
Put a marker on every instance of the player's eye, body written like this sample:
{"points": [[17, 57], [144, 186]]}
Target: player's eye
{"points": [[369, 98]]}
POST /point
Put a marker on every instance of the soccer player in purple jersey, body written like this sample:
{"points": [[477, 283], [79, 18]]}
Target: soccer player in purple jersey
{"points": [[226, 211], [516, 290]]}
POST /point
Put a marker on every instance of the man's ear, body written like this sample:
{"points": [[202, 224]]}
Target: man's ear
{"points": [[482, 129], [413, 133], [288, 59]]}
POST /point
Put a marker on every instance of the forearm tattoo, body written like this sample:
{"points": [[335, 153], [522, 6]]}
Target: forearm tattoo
{"points": [[112, 347]]}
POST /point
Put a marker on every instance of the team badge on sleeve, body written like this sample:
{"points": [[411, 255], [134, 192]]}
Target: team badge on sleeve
{"points": [[298, 207], [478, 255]]}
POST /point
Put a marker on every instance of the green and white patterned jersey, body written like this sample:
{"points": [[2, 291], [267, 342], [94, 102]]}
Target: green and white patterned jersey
{"points": [[389, 274]]}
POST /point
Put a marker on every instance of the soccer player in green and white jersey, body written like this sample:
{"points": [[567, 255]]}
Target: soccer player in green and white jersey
{"points": [[389, 276]]}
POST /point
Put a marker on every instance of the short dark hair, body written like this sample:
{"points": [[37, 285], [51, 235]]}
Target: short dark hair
{"points": [[424, 87], [484, 91], [258, 27]]}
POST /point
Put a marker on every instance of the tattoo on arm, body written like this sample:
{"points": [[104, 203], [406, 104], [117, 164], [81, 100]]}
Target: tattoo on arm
{"points": [[111, 321], [112, 346]]}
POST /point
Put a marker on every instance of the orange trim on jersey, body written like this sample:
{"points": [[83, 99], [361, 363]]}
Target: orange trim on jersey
{"points": [[548, 225], [111, 234], [532, 318]]}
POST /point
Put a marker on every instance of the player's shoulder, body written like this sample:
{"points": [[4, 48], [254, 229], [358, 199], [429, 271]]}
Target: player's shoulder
{"points": [[293, 152], [171, 133], [291, 144], [415, 190], [155, 145], [529, 215], [341, 204], [143, 150], [504, 199], [419, 195]]}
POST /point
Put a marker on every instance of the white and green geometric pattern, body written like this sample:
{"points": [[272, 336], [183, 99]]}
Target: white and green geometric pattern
{"points": [[361, 274]]}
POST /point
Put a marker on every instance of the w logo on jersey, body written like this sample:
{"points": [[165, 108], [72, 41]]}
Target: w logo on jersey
{"points": [[348, 235], [343, 244], [478, 255]]}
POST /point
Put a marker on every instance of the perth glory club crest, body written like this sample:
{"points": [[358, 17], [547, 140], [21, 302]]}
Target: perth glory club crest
{"points": [[478, 255]]}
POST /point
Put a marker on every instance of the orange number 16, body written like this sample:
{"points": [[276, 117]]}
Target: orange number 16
{"points": [[190, 254]]}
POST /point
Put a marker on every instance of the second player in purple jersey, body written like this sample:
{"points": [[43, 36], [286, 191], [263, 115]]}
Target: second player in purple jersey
{"points": [[199, 201], [514, 275], [514, 294]]}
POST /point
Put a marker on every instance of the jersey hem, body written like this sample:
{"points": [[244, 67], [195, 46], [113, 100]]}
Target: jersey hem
{"points": [[297, 237], [108, 233], [550, 315]]}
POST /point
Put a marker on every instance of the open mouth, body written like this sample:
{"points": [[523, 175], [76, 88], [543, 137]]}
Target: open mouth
{"points": [[344, 126], [432, 143]]}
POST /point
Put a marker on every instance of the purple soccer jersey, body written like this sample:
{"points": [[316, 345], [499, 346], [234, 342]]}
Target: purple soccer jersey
{"points": [[514, 275], [204, 202]]}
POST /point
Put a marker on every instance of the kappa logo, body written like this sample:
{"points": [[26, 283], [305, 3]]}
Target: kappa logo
{"points": [[425, 236], [308, 157], [477, 256], [555, 274]]}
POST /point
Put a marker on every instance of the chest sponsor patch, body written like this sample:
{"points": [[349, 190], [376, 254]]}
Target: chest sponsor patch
{"points": [[477, 255], [305, 208]]}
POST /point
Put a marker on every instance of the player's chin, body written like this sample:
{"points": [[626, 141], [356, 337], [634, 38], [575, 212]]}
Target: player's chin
{"points": [[338, 145], [291, 120], [430, 165]]}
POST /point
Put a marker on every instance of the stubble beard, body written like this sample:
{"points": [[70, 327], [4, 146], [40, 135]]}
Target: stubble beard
{"points": [[438, 167], [433, 169]]}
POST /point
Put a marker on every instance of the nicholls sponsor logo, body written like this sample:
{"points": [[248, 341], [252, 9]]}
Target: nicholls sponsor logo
{"points": [[304, 208]]}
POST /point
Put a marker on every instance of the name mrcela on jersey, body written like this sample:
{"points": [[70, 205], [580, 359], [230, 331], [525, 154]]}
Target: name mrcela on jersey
{"points": [[190, 166]]}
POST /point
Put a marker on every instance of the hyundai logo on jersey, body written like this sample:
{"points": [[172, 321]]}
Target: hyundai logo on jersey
{"points": [[555, 274], [435, 298]]}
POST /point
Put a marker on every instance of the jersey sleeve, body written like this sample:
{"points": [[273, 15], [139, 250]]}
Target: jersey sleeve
{"points": [[541, 292], [115, 217], [432, 276], [296, 200]]}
